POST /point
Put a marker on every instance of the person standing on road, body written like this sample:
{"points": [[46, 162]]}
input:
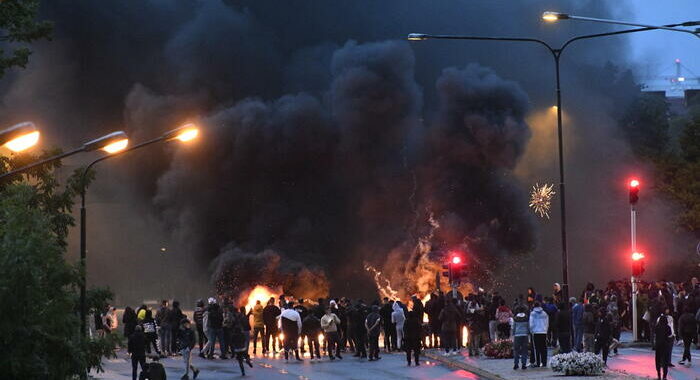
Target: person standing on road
{"points": [[563, 322], [687, 329], [311, 328], [331, 327], [539, 324], [215, 318], [199, 323], [164, 329], [521, 332], [412, 335], [603, 333], [398, 319], [373, 326], [137, 348], [258, 326], [449, 318], [588, 328], [270, 313], [149, 330], [186, 344], [388, 327], [358, 314], [175, 316], [129, 320], [291, 328], [662, 341], [577, 323]]}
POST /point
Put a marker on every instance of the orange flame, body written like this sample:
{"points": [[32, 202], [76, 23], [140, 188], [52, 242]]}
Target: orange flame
{"points": [[261, 293]]}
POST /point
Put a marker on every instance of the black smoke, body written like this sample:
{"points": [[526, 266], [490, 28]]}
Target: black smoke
{"points": [[325, 139]]}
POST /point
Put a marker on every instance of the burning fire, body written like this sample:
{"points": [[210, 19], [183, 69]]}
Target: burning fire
{"points": [[261, 293]]}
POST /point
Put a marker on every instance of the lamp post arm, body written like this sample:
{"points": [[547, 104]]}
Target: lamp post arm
{"points": [[645, 26], [40, 163], [627, 31], [87, 169]]}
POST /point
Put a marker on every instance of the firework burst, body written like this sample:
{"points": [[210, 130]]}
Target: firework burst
{"points": [[541, 199]]}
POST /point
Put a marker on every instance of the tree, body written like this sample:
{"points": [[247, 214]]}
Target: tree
{"points": [[676, 159], [40, 328], [19, 27]]}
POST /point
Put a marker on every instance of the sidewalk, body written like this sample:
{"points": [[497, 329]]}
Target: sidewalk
{"points": [[500, 369]]}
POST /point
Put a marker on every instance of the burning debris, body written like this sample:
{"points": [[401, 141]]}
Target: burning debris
{"points": [[236, 271]]}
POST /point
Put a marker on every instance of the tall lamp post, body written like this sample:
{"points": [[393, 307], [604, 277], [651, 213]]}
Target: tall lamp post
{"points": [[556, 55], [185, 133]]}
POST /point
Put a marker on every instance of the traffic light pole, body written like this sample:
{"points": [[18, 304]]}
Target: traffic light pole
{"points": [[633, 230]]}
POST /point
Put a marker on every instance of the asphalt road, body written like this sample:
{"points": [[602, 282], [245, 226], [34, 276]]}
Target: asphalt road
{"points": [[391, 366]]}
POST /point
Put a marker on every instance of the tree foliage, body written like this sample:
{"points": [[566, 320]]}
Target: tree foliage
{"points": [[676, 158], [40, 328], [18, 27]]}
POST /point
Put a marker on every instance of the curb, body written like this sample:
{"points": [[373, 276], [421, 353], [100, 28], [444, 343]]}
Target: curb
{"points": [[461, 365]]}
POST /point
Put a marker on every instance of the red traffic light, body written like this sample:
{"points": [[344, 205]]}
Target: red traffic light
{"points": [[634, 191], [636, 256], [456, 260]]}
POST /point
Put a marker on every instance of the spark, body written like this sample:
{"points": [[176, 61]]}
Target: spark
{"points": [[384, 290], [541, 199]]}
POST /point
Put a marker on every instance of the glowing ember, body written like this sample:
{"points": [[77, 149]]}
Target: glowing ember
{"points": [[261, 293], [541, 199]]}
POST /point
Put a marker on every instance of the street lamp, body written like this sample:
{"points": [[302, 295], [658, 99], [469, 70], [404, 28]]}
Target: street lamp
{"points": [[184, 133], [20, 136], [556, 16], [111, 143], [556, 54]]}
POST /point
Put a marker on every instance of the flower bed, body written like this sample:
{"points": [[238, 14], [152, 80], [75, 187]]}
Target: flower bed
{"points": [[577, 364], [502, 349]]}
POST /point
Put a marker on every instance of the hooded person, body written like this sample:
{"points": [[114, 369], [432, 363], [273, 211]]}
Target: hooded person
{"points": [[311, 329], [357, 317], [413, 336], [239, 337], [137, 348], [258, 326], [373, 326], [389, 327], [539, 324], [129, 320], [291, 323], [215, 332], [521, 331], [398, 318], [449, 321]]}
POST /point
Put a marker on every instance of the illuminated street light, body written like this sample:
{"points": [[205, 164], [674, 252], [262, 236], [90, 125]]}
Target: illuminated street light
{"points": [[20, 137], [110, 143], [555, 52], [456, 260], [116, 145], [556, 16]]}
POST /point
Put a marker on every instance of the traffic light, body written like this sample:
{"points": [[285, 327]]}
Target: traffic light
{"points": [[634, 191], [454, 267], [637, 264]]}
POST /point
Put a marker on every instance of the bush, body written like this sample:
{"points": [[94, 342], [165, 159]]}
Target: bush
{"points": [[577, 364], [502, 349]]}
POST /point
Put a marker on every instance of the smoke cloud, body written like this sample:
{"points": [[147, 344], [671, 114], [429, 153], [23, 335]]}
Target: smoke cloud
{"points": [[326, 142]]}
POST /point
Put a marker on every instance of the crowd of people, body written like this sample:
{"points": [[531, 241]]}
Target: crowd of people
{"points": [[591, 322]]}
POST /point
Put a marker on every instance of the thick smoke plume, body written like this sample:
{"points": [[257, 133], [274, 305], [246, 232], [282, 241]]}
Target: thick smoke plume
{"points": [[326, 143]]}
